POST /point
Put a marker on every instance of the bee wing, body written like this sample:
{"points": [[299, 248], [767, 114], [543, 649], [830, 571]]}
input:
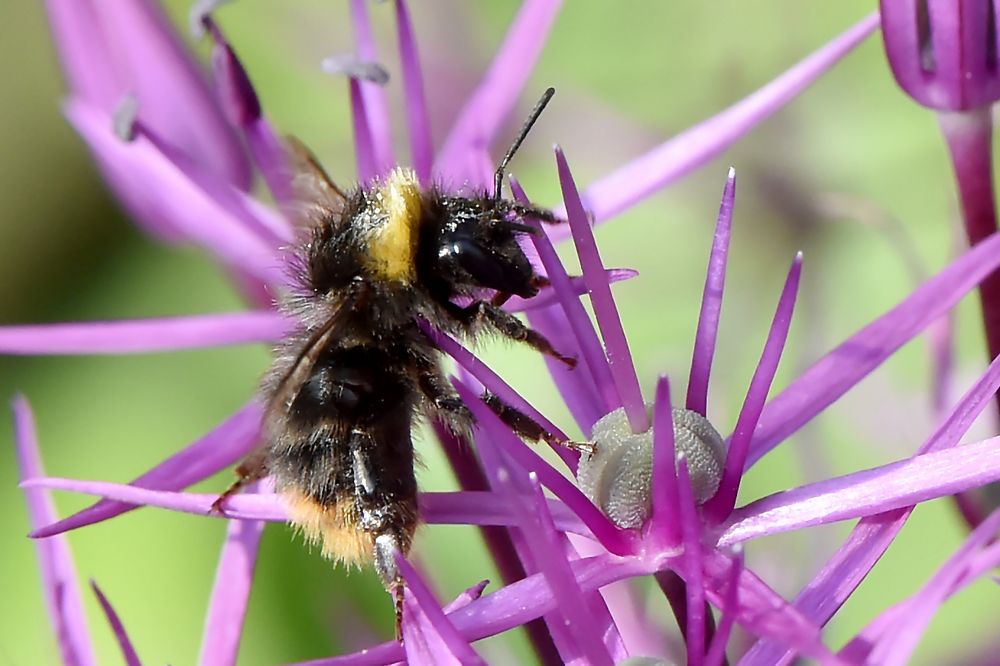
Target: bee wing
{"points": [[318, 197], [298, 371]]}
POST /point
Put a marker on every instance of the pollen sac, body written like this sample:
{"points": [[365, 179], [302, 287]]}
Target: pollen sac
{"points": [[617, 476]]}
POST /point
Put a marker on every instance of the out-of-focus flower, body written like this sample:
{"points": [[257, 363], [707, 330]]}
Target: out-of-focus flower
{"points": [[185, 176], [944, 54]]}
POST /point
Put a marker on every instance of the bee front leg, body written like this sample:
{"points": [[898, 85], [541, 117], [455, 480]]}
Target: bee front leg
{"points": [[253, 468], [510, 326]]}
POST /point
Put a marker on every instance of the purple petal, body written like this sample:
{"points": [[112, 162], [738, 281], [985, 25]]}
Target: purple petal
{"points": [[664, 520], [729, 609], [689, 150], [427, 615], [605, 310], [372, 96], [877, 490], [762, 611], [873, 535], [903, 637], [479, 121], [691, 535], [417, 118], [239, 100], [227, 607], [86, 61], [548, 554], [466, 597], [592, 352], [136, 336], [613, 538], [173, 96], [124, 642], [838, 371], [721, 505], [218, 449], [452, 508], [58, 573], [364, 143], [183, 209], [711, 302], [494, 384]]}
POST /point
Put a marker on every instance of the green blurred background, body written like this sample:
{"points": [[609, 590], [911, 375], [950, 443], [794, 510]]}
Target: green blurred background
{"points": [[820, 176]]}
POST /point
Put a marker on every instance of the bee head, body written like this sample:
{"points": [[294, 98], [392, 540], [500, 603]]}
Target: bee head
{"points": [[484, 253]]}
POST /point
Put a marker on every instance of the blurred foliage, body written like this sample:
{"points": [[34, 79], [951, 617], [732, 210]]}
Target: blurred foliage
{"points": [[629, 75]]}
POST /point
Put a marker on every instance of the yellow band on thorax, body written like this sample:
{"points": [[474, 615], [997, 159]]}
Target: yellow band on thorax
{"points": [[392, 246]]}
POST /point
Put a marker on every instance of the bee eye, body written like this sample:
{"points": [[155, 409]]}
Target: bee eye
{"points": [[489, 269], [617, 477]]}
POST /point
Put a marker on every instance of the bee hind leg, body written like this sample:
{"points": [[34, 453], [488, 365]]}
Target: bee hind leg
{"points": [[253, 468]]}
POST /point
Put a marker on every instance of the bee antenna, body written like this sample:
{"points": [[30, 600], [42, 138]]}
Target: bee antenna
{"points": [[537, 111]]}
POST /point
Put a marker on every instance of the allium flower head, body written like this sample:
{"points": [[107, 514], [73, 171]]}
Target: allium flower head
{"points": [[558, 552]]}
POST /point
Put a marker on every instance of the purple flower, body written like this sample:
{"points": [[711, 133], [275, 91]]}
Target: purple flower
{"points": [[185, 177]]}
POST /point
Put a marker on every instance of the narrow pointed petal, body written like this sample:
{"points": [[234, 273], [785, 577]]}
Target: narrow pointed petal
{"points": [[142, 336], [444, 644], [480, 119], [448, 508], [466, 597], [873, 535], [605, 310], [664, 526], [240, 102], [83, 55], [55, 561], [691, 535], [592, 352], [720, 506], [854, 359], [873, 491], [129, 655], [373, 101], [174, 98], [170, 202], [711, 303], [218, 449], [417, 117], [227, 607], [679, 156], [614, 539], [549, 555]]}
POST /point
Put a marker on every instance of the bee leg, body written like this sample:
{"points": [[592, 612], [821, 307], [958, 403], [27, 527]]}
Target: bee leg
{"points": [[512, 327], [449, 406], [529, 429], [534, 212], [253, 468]]}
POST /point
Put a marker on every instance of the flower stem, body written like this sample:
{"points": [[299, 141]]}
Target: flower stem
{"points": [[969, 135]]}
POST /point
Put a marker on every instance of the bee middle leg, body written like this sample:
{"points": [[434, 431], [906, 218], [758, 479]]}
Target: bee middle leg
{"points": [[253, 468], [528, 428], [512, 327]]}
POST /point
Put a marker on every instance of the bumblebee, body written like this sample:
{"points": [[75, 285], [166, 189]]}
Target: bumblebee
{"points": [[345, 387]]}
